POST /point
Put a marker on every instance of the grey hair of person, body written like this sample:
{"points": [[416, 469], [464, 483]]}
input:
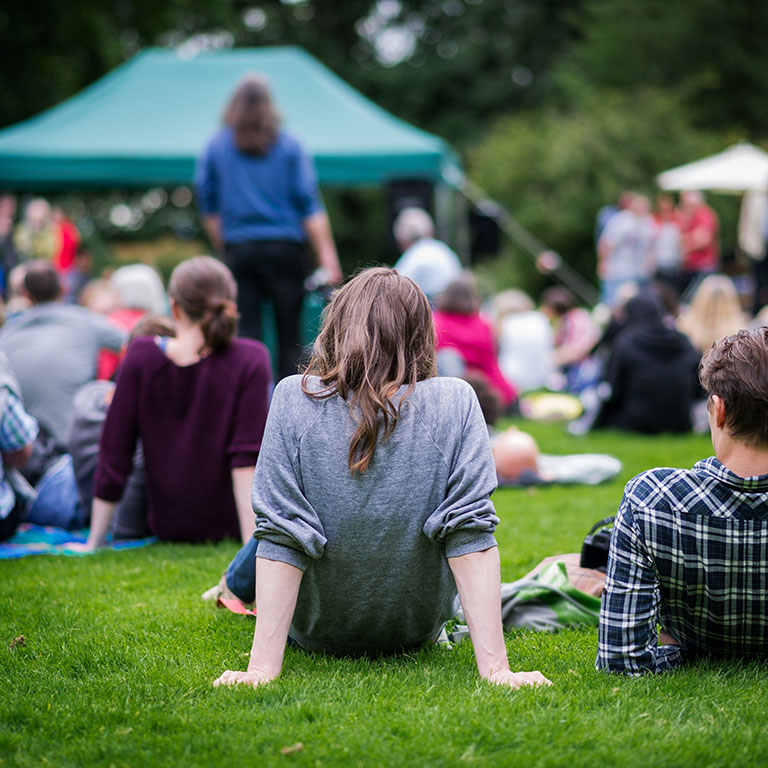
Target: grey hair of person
{"points": [[412, 224], [140, 287]]}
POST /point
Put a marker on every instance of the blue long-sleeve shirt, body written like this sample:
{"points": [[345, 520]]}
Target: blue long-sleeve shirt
{"points": [[257, 197]]}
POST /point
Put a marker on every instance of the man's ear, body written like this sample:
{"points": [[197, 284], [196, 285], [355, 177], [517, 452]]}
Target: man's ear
{"points": [[718, 411]]}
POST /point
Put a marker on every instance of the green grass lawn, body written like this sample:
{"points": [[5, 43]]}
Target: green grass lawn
{"points": [[120, 654]]}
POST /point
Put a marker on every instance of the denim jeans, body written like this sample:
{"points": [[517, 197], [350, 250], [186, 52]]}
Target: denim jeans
{"points": [[58, 500], [241, 573]]}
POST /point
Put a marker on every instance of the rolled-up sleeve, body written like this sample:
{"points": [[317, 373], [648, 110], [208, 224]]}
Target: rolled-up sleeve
{"points": [[466, 519], [17, 428], [287, 526]]}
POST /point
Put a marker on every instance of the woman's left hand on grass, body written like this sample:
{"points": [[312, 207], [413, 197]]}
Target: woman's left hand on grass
{"points": [[254, 678]]}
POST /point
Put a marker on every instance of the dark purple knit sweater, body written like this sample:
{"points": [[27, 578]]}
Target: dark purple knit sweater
{"points": [[197, 423]]}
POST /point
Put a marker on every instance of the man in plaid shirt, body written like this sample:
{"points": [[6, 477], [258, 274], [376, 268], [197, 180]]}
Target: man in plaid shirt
{"points": [[689, 549], [18, 431]]}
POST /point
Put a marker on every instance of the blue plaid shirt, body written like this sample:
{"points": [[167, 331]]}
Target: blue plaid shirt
{"points": [[689, 551], [17, 430]]}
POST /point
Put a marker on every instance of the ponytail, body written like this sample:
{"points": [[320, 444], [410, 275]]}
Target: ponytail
{"points": [[219, 324], [204, 288]]}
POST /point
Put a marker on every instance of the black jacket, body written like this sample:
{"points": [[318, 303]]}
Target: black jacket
{"points": [[652, 373]]}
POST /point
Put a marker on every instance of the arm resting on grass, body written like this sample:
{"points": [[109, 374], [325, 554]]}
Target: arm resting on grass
{"points": [[101, 517], [627, 641], [478, 580], [242, 480], [277, 589]]}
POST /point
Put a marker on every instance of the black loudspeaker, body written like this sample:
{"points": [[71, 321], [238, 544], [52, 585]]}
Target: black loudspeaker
{"points": [[408, 193], [484, 231]]}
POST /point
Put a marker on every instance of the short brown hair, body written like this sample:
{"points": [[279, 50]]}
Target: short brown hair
{"points": [[558, 300], [41, 282], [460, 296], [736, 369]]}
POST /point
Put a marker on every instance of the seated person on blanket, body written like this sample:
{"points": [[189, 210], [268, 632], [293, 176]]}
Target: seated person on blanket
{"points": [[372, 496], [18, 431], [91, 405], [198, 402], [690, 546]]}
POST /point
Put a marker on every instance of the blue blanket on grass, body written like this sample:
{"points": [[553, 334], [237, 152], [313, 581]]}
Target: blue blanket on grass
{"points": [[45, 540]]}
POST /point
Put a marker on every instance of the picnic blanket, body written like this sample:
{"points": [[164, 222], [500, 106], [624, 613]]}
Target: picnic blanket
{"points": [[46, 540]]}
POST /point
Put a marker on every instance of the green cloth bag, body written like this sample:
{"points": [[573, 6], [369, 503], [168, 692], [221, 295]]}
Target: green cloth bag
{"points": [[547, 602]]}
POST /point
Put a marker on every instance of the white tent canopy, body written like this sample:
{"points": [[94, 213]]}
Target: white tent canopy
{"points": [[740, 168]]}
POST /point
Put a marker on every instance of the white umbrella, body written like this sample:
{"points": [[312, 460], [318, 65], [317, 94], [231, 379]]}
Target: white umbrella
{"points": [[740, 168]]}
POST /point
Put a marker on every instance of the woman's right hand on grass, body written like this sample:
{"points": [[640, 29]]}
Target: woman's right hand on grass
{"points": [[518, 679], [255, 678]]}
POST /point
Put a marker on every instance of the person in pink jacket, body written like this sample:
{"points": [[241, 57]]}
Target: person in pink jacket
{"points": [[461, 328]]}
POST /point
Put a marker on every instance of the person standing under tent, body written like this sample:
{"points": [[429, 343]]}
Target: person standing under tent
{"points": [[257, 192]]}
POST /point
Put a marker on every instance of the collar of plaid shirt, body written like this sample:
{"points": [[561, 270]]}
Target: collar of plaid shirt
{"points": [[712, 466]]}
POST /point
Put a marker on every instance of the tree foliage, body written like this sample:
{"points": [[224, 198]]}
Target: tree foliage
{"points": [[447, 65], [711, 53], [554, 168]]}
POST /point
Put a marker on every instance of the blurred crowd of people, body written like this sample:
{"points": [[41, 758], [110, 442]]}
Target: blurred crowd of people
{"points": [[636, 245], [632, 361]]}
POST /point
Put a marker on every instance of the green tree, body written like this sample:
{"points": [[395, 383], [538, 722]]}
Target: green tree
{"points": [[713, 54], [50, 51]]}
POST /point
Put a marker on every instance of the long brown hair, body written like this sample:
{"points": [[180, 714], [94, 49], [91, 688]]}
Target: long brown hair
{"points": [[205, 289], [252, 117], [377, 335]]}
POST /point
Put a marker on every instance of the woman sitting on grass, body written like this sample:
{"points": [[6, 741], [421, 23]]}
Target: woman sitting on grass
{"points": [[199, 403], [371, 495]]}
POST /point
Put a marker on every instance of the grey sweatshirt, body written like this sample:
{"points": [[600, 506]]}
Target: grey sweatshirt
{"points": [[53, 349], [374, 546]]}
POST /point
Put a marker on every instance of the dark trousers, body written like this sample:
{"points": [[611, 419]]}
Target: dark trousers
{"points": [[8, 525], [760, 275], [271, 270]]}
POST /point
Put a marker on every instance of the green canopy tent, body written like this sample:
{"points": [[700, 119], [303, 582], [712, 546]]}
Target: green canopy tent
{"points": [[145, 123]]}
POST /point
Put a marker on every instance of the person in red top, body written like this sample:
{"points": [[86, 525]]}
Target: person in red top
{"points": [[460, 327], [699, 226], [68, 240]]}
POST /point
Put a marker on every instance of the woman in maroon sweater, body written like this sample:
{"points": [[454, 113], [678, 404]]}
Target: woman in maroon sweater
{"points": [[199, 402]]}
